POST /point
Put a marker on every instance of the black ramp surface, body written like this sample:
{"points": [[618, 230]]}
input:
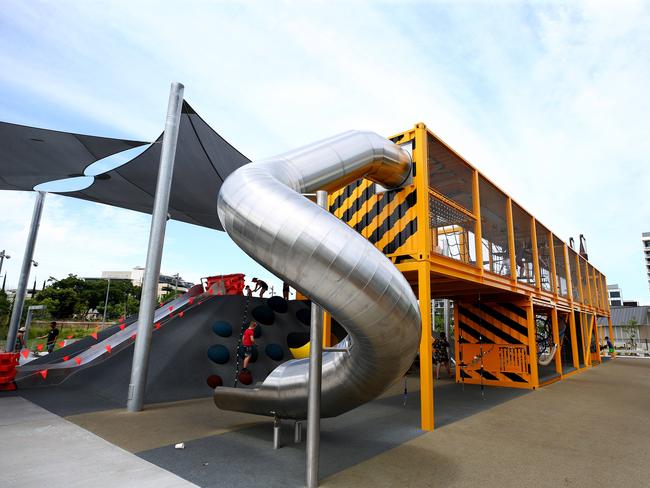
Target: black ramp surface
{"points": [[179, 365]]}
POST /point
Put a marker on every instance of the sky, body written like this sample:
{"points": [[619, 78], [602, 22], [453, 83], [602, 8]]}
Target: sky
{"points": [[547, 99]]}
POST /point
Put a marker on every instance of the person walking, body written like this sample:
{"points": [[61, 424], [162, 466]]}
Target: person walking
{"points": [[441, 354], [261, 286], [51, 335], [285, 290], [248, 341]]}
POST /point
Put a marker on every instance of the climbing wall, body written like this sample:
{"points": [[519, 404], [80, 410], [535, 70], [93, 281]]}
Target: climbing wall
{"points": [[282, 325], [492, 344]]}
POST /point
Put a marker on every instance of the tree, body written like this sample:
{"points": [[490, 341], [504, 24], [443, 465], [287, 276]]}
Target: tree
{"points": [[4, 304], [631, 329]]}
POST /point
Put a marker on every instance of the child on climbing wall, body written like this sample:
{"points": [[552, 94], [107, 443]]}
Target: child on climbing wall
{"points": [[248, 341]]}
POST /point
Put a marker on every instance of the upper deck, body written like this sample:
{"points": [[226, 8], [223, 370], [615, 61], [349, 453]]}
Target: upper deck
{"points": [[477, 239]]}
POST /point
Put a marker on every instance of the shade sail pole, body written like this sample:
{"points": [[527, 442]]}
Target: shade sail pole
{"points": [[315, 377], [28, 259], [149, 296]]}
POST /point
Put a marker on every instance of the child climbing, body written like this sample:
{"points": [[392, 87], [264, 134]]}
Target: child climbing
{"points": [[248, 342]]}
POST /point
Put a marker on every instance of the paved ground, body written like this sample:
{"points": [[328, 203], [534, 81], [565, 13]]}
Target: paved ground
{"points": [[39, 448], [590, 430]]}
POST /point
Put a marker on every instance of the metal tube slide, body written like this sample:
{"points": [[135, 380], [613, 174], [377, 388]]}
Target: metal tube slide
{"points": [[261, 208]]}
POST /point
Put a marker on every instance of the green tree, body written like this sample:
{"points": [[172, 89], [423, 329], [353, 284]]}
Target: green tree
{"points": [[631, 329], [4, 305]]}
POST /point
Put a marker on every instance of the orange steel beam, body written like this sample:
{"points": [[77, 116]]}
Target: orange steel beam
{"points": [[421, 180], [574, 339]]}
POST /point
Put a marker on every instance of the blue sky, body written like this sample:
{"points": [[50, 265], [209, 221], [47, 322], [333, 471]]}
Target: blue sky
{"points": [[548, 99]]}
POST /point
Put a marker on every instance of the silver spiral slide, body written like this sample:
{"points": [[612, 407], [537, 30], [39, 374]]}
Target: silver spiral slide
{"points": [[262, 209]]}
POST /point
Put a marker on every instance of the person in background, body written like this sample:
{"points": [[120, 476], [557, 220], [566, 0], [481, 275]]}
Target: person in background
{"points": [[610, 346], [440, 354], [52, 334], [248, 341], [261, 286], [20, 340], [285, 290]]}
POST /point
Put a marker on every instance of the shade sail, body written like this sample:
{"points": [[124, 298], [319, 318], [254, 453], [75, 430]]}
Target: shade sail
{"points": [[203, 160], [30, 156]]}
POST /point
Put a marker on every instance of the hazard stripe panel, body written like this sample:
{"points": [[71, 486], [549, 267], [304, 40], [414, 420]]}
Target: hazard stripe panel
{"points": [[387, 219], [492, 341]]}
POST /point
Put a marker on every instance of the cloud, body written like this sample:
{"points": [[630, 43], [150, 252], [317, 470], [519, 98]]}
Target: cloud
{"points": [[547, 99]]}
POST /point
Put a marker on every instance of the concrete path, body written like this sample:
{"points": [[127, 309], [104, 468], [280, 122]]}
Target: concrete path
{"points": [[39, 448], [590, 430]]}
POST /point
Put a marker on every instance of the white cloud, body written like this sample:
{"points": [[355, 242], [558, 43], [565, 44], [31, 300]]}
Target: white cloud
{"points": [[547, 99]]}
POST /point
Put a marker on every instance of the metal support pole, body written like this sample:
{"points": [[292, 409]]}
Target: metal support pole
{"points": [[297, 432], [154, 252], [108, 287], [315, 373], [277, 427], [21, 290]]}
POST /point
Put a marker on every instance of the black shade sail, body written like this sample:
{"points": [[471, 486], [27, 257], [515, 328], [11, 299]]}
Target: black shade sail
{"points": [[203, 161], [30, 156]]}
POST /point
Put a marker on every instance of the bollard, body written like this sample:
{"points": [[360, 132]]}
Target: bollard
{"points": [[277, 424], [297, 432]]}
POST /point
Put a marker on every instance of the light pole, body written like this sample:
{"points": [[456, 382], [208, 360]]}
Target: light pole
{"points": [[108, 287], [3, 256], [176, 276]]}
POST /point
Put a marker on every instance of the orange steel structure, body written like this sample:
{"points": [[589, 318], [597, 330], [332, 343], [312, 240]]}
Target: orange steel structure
{"points": [[454, 234]]}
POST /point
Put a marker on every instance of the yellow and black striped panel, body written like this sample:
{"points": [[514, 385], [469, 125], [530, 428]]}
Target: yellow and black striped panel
{"points": [[492, 328], [387, 219]]}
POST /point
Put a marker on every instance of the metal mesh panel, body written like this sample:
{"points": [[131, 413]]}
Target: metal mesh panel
{"points": [[544, 257], [452, 230], [494, 226], [560, 268]]}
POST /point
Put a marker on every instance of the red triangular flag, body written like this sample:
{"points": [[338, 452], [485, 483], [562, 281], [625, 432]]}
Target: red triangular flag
{"points": [[43, 373], [25, 353], [108, 348], [94, 335], [181, 314], [39, 347], [161, 304], [61, 343], [70, 336], [122, 326], [171, 307], [65, 358], [77, 360], [191, 300], [133, 336], [157, 325], [210, 292]]}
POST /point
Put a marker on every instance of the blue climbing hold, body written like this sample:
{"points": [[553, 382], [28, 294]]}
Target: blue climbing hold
{"points": [[275, 352], [219, 354], [222, 328]]}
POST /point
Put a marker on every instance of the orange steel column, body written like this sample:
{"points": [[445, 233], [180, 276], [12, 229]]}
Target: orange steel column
{"points": [[572, 318], [426, 360], [556, 340], [511, 239], [532, 344], [533, 238], [551, 250], [478, 231], [458, 345], [421, 180], [327, 330]]}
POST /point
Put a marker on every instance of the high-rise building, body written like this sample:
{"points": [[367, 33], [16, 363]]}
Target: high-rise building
{"points": [[615, 295], [645, 238]]}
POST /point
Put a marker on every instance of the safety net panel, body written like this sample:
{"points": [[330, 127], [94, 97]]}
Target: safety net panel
{"points": [[560, 267], [494, 228], [449, 175], [573, 265], [452, 231], [521, 221], [544, 256]]}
